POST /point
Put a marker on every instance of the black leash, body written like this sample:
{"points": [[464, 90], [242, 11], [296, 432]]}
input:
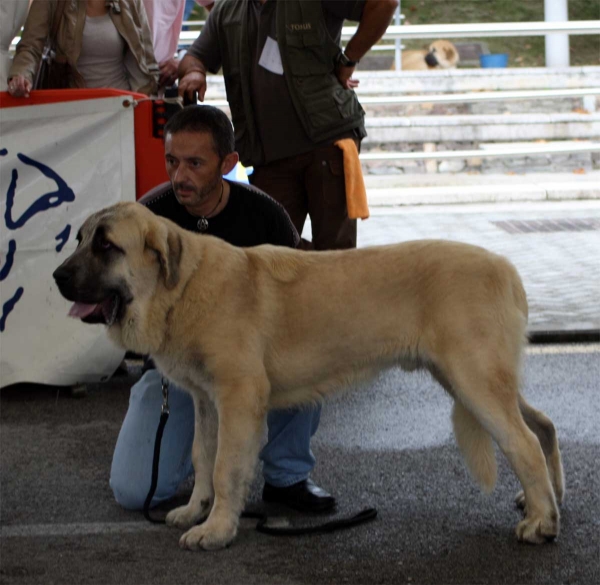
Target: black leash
{"points": [[363, 516], [164, 415]]}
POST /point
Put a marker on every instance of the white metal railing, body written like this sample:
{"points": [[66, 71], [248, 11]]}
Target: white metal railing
{"points": [[536, 149], [487, 29], [487, 96], [432, 31], [491, 29]]}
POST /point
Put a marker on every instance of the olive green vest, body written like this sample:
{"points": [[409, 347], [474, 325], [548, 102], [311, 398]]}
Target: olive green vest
{"points": [[308, 54]]}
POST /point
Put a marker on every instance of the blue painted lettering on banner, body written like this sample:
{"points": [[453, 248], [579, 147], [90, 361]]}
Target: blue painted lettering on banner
{"points": [[10, 256], [53, 199], [63, 237], [8, 306], [63, 194]]}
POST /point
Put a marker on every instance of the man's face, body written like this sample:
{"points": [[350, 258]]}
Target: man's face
{"points": [[193, 166]]}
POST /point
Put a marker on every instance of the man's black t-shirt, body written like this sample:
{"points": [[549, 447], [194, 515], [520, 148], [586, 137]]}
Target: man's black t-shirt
{"points": [[250, 218]]}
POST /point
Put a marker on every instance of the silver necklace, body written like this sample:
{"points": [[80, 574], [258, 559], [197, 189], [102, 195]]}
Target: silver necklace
{"points": [[202, 224]]}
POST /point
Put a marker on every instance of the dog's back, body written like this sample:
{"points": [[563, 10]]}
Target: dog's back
{"points": [[404, 303]]}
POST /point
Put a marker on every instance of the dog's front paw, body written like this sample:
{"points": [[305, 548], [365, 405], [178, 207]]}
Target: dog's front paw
{"points": [[186, 516], [538, 529], [212, 535]]}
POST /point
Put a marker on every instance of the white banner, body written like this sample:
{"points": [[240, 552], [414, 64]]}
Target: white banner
{"points": [[58, 163]]}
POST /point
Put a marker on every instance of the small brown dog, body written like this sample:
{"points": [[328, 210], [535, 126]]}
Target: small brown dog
{"points": [[440, 55]]}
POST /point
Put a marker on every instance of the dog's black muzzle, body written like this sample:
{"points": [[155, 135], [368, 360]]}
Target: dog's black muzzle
{"points": [[431, 60], [63, 276], [67, 282]]}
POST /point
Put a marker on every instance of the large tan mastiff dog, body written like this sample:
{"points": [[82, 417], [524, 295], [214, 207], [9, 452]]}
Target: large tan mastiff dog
{"points": [[269, 327]]}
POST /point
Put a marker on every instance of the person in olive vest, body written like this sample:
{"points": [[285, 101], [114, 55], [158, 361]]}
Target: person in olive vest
{"points": [[291, 94]]}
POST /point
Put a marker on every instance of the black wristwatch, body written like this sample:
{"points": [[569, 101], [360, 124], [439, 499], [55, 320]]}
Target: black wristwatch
{"points": [[345, 62]]}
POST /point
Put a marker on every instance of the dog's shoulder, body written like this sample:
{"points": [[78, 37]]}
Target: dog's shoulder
{"points": [[278, 263]]}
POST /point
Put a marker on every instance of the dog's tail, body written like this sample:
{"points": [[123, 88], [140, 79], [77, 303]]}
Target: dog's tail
{"points": [[476, 446]]}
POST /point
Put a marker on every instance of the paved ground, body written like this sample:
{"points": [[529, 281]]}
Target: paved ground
{"points": [[390, 447]]}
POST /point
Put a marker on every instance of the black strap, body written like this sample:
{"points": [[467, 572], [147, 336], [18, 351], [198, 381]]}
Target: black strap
{"points": [[159, 433], [164, 415], [365, 515]]}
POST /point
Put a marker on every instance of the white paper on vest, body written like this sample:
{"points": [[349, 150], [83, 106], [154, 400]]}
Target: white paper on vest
{"points": [[270, 58]]}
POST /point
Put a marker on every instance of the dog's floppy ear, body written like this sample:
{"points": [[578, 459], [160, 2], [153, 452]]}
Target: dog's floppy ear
{"points": [[166, 242], [450, 53]]}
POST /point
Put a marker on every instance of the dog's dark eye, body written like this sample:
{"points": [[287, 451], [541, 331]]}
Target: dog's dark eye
{"points": [[105, 244]]}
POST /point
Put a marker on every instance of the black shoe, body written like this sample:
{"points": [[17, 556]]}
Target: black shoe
{"points": [[304, 496]]}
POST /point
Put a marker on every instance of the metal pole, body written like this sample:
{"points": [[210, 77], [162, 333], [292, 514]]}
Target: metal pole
{"points": [[398, 42], [557, 45]]}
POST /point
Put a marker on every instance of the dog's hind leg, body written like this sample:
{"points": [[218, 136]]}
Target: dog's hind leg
{"points": [[242, 408], [204, 450], [543, 427], [474, 442], [488, 386]]}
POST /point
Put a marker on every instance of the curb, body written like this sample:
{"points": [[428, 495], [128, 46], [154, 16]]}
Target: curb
{"points": [[477, 194], [387, 190], [573, 336]]}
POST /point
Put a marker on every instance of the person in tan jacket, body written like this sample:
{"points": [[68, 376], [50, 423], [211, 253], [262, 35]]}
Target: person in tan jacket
{"points": [[108, 43]]}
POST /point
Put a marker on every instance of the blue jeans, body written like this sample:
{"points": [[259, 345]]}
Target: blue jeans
{"points": [[287, 458]]}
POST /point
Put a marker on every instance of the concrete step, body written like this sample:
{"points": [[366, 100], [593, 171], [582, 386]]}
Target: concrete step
{"points": [[485, 128], [456, 80], [398, 190], [518, 163], [548, 105], [462, 80]]}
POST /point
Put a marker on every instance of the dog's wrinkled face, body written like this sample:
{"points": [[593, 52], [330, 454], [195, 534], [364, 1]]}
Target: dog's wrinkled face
{"points": [[442, 54], [122, 251]]}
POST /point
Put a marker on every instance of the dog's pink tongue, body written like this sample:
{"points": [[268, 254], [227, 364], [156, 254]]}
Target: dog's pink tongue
{"points": [[81, 310]]}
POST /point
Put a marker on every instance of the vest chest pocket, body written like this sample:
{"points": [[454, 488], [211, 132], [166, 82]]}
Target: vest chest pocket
{"points": [[346, 102], [307, 54]]}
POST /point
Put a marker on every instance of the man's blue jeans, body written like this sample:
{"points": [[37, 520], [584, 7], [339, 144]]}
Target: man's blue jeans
{"points": [[287, 457]]}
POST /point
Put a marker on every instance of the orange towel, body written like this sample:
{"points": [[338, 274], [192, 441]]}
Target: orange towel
{"points": [[356, 194]]}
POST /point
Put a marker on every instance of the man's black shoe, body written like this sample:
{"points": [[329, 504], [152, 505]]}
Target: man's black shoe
{"points": [[304, 496]]}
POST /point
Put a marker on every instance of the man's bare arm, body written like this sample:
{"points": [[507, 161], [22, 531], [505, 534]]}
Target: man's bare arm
{"points": [[192, 77], [376, 17]]}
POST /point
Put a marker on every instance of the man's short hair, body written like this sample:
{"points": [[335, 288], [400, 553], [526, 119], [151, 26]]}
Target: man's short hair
{"points": [[204, 119]]}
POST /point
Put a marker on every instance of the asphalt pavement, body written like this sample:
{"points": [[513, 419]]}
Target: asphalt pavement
{"points": [[388, 445]]}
